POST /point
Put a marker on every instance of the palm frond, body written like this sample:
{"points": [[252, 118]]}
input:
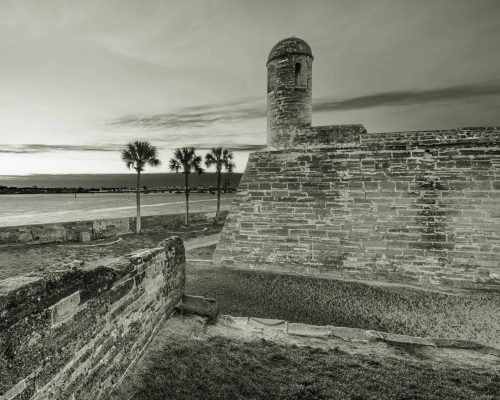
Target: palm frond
{"points": [[139, 153], [209, 160], [185, 158], [154, 162], [196, 164], [174, 165], [227, 154], [229, 166]]}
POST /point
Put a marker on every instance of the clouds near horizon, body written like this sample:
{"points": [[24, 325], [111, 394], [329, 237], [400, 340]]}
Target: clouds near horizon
{"points": [[209, 116], [212, 114]]}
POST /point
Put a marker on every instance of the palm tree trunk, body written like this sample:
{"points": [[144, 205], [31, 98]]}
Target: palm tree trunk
{"points": [[138, 197], [186, 189], [218, 193]]}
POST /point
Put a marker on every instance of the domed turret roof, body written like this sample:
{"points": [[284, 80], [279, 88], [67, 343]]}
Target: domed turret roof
{"points": [[289, 46]]}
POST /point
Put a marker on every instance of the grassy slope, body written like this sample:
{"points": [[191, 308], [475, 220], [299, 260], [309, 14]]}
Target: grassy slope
{"points": [[471, 316], [222, 369]]}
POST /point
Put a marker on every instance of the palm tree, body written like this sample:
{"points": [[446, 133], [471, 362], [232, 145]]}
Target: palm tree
{"points": [[187, 160], [221, 158], [136, 155]]}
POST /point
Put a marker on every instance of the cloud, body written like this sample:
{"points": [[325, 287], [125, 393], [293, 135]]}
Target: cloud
{"points": [[231, 146], [226, 124], [45, 148], [200, 116], [408, 97], [203, 116]]}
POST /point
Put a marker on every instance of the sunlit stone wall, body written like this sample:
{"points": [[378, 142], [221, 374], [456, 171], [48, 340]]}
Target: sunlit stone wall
{"points": [[419, 207]]}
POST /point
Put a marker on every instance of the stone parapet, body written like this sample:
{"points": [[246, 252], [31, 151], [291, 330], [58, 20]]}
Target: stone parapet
{"points": [[74, 333], [93, 229]]}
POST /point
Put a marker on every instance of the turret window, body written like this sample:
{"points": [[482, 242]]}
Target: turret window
{"points": [[300, 76]]}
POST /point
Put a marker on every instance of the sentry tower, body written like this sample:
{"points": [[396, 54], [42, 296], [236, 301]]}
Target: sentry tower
{"points": [[289, 91]]}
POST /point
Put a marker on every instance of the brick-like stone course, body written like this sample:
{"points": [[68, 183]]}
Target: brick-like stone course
{"points": [[74, 333], [96, 229], [420, 207]]}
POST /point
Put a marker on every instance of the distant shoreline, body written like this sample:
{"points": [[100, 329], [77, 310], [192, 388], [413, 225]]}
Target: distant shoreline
{"points": [[85, 183], [34, 191]]}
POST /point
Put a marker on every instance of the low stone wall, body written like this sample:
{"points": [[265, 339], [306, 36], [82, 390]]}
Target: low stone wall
{"points": [[175, 220], [97, 229], [72, 334]]}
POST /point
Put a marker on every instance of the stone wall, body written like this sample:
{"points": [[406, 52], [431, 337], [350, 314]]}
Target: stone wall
{"points": [[419, 207], [73, 334], [98, 229]]}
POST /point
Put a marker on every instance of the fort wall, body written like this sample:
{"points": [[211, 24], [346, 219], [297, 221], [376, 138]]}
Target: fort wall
{"points": [[97, 229], [72, 334], [417, 207]]}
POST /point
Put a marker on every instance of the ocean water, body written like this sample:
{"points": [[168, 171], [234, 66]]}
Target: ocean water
{"points": [[25, 209], [116, 180]]}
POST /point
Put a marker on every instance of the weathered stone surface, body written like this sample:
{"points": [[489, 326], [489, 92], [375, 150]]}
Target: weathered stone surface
{"points": [[284, 331], [200, 305], [420, 207], [289, 91], [416, 207], [15, 390], [84, 237], [65, 308], [74, 333]]}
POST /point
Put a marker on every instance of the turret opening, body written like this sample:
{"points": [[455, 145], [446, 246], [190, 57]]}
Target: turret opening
{"points": [[300, 76]]}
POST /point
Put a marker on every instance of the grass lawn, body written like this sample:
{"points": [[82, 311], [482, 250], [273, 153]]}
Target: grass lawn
{"points": [[464, 315], [218, 368]]}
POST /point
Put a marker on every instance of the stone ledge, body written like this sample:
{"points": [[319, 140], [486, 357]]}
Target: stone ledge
{"points": [[253, 324]]}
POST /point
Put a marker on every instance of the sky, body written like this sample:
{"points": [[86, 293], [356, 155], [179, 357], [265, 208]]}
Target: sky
{"points": [[79, 79]]}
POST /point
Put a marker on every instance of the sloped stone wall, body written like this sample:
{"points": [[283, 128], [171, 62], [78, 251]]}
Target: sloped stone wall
{"points": [[419, 207], [72, 334]]}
